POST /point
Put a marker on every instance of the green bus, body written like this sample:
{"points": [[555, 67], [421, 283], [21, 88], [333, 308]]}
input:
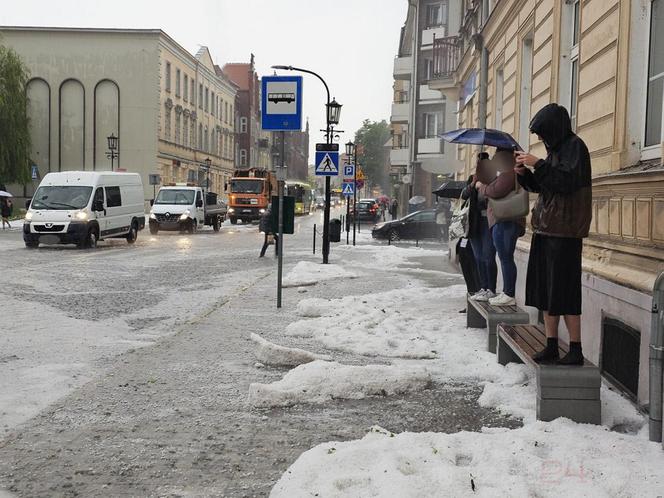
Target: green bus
{"points": [[304, 196]]}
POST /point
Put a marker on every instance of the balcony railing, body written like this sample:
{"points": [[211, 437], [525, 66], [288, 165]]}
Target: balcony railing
{"points": [[401, 97], [447, 54]]}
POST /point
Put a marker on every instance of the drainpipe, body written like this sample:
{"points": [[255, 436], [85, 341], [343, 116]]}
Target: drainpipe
{"points": [[484, 83], [656, 356], [414, 97]]}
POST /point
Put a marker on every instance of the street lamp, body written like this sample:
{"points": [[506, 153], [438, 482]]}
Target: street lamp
{"points": [[332, 114], [112, 153], [208, 164]]}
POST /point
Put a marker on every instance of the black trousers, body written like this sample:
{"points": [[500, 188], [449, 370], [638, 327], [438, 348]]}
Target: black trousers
{"points": [[468, 268], [266, 244]]}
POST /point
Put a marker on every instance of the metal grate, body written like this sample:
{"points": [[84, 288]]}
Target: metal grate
{"points": [[621, 346]]}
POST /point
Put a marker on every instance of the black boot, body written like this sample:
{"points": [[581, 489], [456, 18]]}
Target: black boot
{"points": [[550, 353], [574, 356]]}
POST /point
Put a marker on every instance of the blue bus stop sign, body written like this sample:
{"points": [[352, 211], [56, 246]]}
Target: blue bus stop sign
{"points": [[281, 108]]}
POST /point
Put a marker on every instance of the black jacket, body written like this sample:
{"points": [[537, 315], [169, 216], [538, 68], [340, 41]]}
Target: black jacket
{"points": [[563, 180], [265, 223], [475, 209]]}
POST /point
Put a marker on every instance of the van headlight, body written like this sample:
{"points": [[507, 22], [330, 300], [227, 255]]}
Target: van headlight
{"points": [[262, 211], [28, 216], [231, 210], [153, 216], [185, 215], [81, 215]]}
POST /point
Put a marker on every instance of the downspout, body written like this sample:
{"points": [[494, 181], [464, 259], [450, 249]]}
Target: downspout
{"points": [[656, 355], [484, 83], [414, 96]]}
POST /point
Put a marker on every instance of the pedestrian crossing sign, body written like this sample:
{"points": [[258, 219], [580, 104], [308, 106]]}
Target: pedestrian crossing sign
{"points": [[327, 163], [348, 189]]}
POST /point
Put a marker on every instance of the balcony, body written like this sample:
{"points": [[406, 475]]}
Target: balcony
{"points": [[403, 68], [429, 95], [400, 112], [430, 145], [399, 156], [433, 33], [447, 53]]}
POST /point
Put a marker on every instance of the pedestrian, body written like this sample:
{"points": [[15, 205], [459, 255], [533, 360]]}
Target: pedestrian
{"points": [[504, 234], [478, 229], [265, 226], [560, 220], [6, 211], [394, 208], [442, 218]]}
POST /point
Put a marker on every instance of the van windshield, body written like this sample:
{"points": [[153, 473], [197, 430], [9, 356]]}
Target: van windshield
{"points": [[175, 196], [61, 197], [247, 186]]}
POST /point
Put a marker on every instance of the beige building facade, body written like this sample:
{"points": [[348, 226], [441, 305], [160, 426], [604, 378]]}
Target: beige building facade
{"points": [[88, 84], [604, 61]]}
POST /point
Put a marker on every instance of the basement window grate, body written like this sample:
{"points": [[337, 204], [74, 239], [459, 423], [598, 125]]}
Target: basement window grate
{"points": [[621, 345]]}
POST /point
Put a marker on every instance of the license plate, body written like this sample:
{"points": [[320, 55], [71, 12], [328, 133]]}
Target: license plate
{"points": [[49, 239], [246, 210]]}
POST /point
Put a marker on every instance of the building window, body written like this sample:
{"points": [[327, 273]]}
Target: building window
{"points": [[206, 140], [213, 103], [436, 14], [177, 127], [168, 76], [243, 157], [167, 122], [243, 125], [432, 124], [186, 88], [200, 136], [226, 112], [192, 100], [185, 131], [653, 132], [207, 100], [192, 143], [177, 82], [499, 96], [200, 95], [428, 69], [525, 91]]}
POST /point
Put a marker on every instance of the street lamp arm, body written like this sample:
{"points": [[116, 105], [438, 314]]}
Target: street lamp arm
{"points": [[301, 70]]}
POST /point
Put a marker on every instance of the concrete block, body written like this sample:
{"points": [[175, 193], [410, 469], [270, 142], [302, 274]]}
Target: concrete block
{"points": [[570, 393], [573, 376], [581, 411]]}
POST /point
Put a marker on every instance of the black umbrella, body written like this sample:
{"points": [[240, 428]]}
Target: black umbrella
{"points": [[450, 190]]}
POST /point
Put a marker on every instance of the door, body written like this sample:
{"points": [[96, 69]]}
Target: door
{"points": [[100, 214], [200, 211], [116, 223]]}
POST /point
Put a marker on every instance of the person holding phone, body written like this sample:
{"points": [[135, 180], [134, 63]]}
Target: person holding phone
{"points": [[560, 221]]}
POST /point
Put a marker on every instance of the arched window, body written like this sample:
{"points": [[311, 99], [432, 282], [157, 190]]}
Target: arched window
{"points": [[72, 126], [106, 121]]}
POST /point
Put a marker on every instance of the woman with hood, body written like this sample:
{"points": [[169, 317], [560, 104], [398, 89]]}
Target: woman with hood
{"points": [[479, 234], [560, 220]]}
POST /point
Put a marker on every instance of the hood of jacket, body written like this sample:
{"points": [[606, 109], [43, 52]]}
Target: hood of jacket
{"points": [[553, 124]]}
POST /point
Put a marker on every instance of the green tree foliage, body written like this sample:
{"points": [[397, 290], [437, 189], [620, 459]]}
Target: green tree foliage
{"points": [[374, 156], [14, 127]]}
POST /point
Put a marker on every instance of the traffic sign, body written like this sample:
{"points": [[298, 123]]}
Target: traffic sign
{"points": [[327, 159], [35, 172], [359, 184], [281, 103], [348, 189], [349, 171], [360, 174]]}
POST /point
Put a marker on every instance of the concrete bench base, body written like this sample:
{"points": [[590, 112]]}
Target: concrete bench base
{"points": [[562, 391], [480, 315]]}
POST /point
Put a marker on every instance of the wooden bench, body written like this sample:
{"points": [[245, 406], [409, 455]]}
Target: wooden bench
{"points": [[480, 314], [562, 391]]}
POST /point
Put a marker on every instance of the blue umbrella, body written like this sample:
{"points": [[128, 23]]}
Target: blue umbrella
{"points": [[481, 136]]}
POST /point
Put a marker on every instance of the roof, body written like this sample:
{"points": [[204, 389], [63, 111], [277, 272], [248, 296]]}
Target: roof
{"points": [[238, 73]]}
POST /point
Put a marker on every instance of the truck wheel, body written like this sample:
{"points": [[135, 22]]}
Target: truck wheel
{"points": [[133, 233], [233, 221], [192, 227], [216, 224]]}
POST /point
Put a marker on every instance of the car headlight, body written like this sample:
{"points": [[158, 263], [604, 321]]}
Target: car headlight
{"points": [[262, 211], [184, 216], [153, 216], [231, 210], [28, 216], [81, 215]]}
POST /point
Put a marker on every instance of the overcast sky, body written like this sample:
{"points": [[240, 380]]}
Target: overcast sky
{"points": [[351, 43]]}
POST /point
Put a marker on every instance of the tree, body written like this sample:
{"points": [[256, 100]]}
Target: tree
{"points": [[373, 154], [14, 125]]}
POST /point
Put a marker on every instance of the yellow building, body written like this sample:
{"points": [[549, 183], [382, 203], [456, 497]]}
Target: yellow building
{"points": [[603, 60]]}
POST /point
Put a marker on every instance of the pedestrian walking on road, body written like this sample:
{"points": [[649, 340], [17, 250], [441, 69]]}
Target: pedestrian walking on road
{"points": [[6, 211], [478, 229], [561, 220], [265, 226], [504, 234], [394, 208]]}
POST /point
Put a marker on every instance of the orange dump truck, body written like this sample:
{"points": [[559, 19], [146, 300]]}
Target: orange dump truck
{"points": [[250, 193]]}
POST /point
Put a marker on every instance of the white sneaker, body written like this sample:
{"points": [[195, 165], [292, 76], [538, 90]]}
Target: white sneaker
{"points": [[486, 296], [479, 294], [502, 300]]}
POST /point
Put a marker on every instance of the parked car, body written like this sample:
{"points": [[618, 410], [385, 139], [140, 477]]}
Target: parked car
{"points": [[418, 225], [367, 211], [83, 207]]}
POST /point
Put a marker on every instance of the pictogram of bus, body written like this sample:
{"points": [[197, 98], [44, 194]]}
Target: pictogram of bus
{"points": [[289, 98]]}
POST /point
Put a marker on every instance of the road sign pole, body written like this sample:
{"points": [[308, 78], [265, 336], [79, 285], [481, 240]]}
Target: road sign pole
{"points": [[346, 221], [280, 238], [357, 164]]}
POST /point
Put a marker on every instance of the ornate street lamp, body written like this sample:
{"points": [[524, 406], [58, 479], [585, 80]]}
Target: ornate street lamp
{"points": [[112, 153], [350, 149], [208, 164], [333, 112]]}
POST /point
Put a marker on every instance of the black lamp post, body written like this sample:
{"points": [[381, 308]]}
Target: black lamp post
{"points": [[112, 153], [350, 152], [208, 164], [332, 114]]}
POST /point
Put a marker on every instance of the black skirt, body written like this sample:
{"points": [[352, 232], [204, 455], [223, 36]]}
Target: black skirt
{"points": [[553, 283]]}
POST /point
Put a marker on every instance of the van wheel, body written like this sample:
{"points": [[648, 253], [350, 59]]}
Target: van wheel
{"points": [[216, 225], [233, 221], [32, 244], [90, 241], [192, 227], [154, 230], [133, 233]]}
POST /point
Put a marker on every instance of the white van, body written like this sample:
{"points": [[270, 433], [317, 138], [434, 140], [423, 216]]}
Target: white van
{"points": [[83, 207]]}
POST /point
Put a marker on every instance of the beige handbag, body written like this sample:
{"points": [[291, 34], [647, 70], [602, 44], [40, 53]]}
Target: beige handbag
{"points": [[513, 206]]}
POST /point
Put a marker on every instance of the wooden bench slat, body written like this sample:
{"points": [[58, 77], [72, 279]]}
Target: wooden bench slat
{"points": [[536, 337], [518, 340]]}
